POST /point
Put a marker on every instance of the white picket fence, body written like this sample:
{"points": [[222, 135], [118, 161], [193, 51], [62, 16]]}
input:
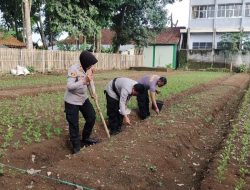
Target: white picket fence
{"points": [[49, 61]]}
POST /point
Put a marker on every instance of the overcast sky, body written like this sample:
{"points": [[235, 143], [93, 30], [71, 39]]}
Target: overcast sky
{"points": [[180, 11]]}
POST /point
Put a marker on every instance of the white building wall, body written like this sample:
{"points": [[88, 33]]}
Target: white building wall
{"points": [[197, 37], [230, 23], [216, 24]]}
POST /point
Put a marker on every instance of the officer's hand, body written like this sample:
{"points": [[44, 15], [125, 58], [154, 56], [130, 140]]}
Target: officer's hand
{"points": [[89, 78], [84, 81], [126, 120], [157, 110], [94, 96], [157, 91]]}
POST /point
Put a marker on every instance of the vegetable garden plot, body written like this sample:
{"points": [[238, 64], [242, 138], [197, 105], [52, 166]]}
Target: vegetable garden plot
{"points": [[230, 168], [149, 155]]}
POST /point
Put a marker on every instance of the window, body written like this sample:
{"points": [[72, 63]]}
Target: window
{"points": [[229, 10], [202, 45], [247, 11], [205, 11]]}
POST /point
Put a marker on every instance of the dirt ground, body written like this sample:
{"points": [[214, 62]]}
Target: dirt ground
{"points": [[169, 151]]}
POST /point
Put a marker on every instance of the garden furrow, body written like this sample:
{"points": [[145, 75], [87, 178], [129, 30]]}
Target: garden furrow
{"points": [[168, 151]]}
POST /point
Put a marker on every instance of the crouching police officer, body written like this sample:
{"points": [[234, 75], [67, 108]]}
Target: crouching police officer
{"points": [[76, 99], [118, 92]]}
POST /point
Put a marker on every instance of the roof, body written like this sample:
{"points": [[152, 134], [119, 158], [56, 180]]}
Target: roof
{"points": [[11, 42], [107, 36], [168, 36], [73, 40]]}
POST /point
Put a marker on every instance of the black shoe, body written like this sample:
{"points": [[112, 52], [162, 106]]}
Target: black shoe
{"points": [[89, 141], [76, 151], [115, 132]]}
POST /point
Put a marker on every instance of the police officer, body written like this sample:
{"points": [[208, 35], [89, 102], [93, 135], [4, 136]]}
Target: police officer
{"points": [[76, 99], [118, 92], [150, 82]]}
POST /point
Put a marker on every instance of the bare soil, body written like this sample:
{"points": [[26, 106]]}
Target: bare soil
{"points": [[173, 150]]}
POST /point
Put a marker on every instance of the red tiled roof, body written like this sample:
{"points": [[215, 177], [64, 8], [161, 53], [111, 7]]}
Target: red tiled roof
{"points": [[11, 42], [107, 36], [168, 36]]}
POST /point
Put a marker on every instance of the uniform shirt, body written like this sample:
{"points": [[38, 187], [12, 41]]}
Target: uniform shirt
{"points": [[76, 92], [124, 88], [150, 82]]}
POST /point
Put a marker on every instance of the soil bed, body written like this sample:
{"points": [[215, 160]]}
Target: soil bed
{"points": [[167, 151]]}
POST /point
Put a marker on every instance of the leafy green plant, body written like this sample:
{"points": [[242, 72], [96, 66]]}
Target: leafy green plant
{"points": [[16, 144], [8, 137], [58, 131], [240, 184], [37, 135], [49, 131], [31, 69]]}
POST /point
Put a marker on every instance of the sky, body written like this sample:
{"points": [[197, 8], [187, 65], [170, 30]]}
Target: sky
{"points": [[180, 12]]}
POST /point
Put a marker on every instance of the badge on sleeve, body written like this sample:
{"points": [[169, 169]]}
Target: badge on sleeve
{"points": [[73, 74]]}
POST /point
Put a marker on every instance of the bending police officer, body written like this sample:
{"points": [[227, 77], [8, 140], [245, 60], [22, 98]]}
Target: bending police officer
{"points": [[118, 93], [150, 82]]}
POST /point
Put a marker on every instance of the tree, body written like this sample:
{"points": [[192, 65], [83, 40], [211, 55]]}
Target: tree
{"points": [[12, 19], [70, 16], [138, 20], [27, 23], [234, 43]]}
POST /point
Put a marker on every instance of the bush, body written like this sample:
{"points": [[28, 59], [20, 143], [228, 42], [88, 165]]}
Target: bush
{"points": [[31, 69], [243, 68]]}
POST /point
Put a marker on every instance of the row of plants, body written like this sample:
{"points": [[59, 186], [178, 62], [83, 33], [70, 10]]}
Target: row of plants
{"points": [[34, 118], [10, 82], [239, 151]]}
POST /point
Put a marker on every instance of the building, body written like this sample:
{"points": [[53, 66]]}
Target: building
{"points": [[8, 41], [208, 19], [163, 49], [106, 43]]}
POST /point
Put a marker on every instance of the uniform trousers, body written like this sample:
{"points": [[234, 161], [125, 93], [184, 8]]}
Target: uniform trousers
{"points": [[72, 116], [143, 104], [115, 119]]}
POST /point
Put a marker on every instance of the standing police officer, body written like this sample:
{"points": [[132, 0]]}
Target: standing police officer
{"points": [[118, 92], [76, 99]]}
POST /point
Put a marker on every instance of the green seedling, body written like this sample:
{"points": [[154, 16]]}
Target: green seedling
{"points": [[58, 131]]}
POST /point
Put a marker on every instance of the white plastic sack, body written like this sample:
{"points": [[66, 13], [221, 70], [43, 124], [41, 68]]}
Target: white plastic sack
{"points": [[13, 71], [26, 71], [20, 70]]}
